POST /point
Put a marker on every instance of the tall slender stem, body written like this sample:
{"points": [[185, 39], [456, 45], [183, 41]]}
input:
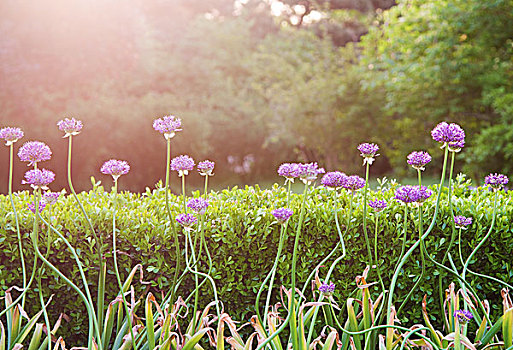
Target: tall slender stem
{"points": [[365, 213]]}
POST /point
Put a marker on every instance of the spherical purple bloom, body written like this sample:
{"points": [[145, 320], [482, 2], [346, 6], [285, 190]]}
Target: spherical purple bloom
{"points": [[70, 127], [39, 178], [308, 172], [34, 152], [334, 179], [448, 133], [368, 152], [186, 220], [378, 205], [206, 168], [10, 135], [462, 221], [412, 194], [353, 183], [168, 126], [282, 214], [327, 289], [51, 197], [496, 181], [418, 159], [199, 205], [289, 170], [32, 206], [115, 167], [424, 194], [463, 315], [456, 146], [183, 164]]}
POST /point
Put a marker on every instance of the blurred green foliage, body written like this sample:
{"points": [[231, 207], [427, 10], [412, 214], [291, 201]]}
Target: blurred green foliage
{"points": [[243, 236]]}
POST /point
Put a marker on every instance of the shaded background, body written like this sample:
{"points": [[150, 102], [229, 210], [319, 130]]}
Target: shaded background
{"points": [[256, 83]]}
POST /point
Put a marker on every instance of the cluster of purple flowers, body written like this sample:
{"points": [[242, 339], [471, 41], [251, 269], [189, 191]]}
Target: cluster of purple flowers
{"points": [[10, 135], [206, 167], [462, 221], [51, 198], [354, 183], [183, 164], [368, 151], [115, 168], [418, 159], [289, 171], [496, 181], [463, 315], [412, 194], [334, 179], [327, 289], [199, 205], [307, 172], [282, 214], [451, 135], [32, 207], [39, 178], [168, 125], [378, 205], [187, 220], [70, 127], [34, 152]]}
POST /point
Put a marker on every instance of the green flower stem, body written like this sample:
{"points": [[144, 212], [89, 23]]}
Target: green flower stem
{"points": [[365, 213], [378, 269], [405, 233], [20, 244], [114, 255], [172, 223], [40, 288], [183, 194], [206, 188], [196, 281], [423, 263], [416, 244]]}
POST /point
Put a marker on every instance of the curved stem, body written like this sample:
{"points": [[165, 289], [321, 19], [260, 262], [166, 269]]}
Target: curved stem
{"points": [[405, 232], [40, 288]]}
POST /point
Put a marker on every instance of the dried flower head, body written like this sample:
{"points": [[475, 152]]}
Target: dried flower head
{"points": [[368, 152], [412, 194], [32, 206], [282, 214], [462, 222], [354, 183], [289, 171], [39, 178], [206, 168], [451, 135], [187, 220], [115, 168], [168, 125], [496, 181], [34, 152], [327, 289], [334, 179], [309, 172], [418, 159], [463, 316], [10, 135], [70, 127], [199, 205], [183, 164], [378, 205]]}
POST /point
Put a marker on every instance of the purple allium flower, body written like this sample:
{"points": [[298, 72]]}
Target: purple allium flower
{"points": [[199, 205], [206, 168], [51, 197], [334, 179], [282, 214], [327, 289], [456, 146], [462, 222], [496, 181], [10, 135], [70, 127], [368, 152], [34, 152], [183, 164], [289, 171], [353, 183], [418, 159], [463, 315], [378, 205], [412, 194], [451, 134], [32, 206], [186, 220], [168, 126], [308, 172], [424, 194], [39, 178], [115, 167]]}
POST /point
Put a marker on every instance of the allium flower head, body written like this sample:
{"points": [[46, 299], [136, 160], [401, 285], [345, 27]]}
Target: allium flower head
{"points": [[115, 167], [463, 316], [187, 220], [51, 198], [10, 135], [309, 172], [32, 206], [282, 214], [354, 183], [462, 222], [449, 134], [168, 125], [418, 159], [368, 152], [34, 152], [183, 164], [199, 205], [412, 194], [456, 146], [334, 179], [289, 171], [70, 127], [39, 178], [378, 205], [206, 167], [327, 289], [496, 181]]}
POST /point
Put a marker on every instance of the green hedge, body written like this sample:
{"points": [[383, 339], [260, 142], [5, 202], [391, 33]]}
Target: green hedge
{"points": [[243, 239]]}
